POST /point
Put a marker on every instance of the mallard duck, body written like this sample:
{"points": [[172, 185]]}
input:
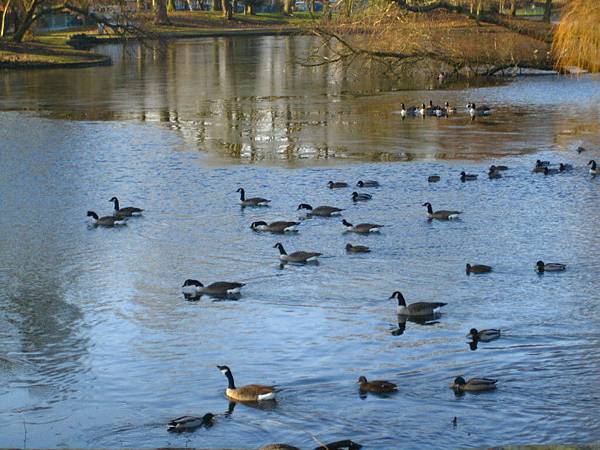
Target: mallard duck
{"points": [[593, 168], [367, 183], [337, 185], [106, 221], [467, 177], [362, 197], [127, 211], [493, 173], [274, 227], [433, 178], [484, 335], [415, 309], [564, 167], [249, 393], [540, 266], [377, 386], [361, 227], [190, 423], [478, 268], [194, 287], [357, 248], [254, 201], [473, 385], [321, 211], [442, 214], [296, 257]]}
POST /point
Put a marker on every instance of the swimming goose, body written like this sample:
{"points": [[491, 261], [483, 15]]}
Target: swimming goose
{"points": [[377, 386], [423, 110], [415, 309], [337, 184], [494, 174], [473, 385], [540, 266], [254, 201], [274, 227], [361, 227], [194, 287], [367, 183], [128, 211], [484, 335], [248, 393], [564, 167], [467, 177], [478, 268], [478, 111], [357, 248], [321, 211], [356, 197], [442, 214], [296, 257], [449, 109], [593, 169], [190, 423], [433, 178], [106, 221]]}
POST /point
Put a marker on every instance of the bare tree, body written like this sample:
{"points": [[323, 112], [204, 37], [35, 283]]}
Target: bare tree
{"points": [[548, 11]]}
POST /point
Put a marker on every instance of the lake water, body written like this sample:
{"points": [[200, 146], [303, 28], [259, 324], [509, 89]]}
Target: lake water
{"points": [[99, 348]]}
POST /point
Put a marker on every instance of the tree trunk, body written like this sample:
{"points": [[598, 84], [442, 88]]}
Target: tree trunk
{"points": [[234, 6], [171, 6], [548, 11], [160, 12], [216, 5], [27, 21], [227, 14], [4, 15], [287, 7], [311, 6], [249, 9], [513, 8]]}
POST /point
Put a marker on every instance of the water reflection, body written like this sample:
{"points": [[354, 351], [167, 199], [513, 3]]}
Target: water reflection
{"points": [[420, 320]]}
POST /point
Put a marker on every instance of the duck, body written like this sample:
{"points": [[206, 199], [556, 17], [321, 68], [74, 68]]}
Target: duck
{"points": [[580, 149], [321, 211], [254, 201], [467, 177], [367, 183], [416, 309], [478, 268], [362, 197], [190, 423], [357, 248], [248, 393], [484, 335], [296, 257], [377, 386], [361, 227], [336, 185], [501, 168], [593, 168], [128, 211], [106, 221], [550, 171], [562, 167], [194, 287], [442, 214], [433, 178], [493, 173], [275, 227], [541, 266], [474, 384]]}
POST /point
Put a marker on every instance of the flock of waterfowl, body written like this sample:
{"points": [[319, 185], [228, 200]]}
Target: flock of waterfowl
{"points": [[194, 289]]}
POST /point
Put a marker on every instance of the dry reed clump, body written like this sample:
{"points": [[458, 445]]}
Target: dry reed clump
{"points": [[577, 37]]}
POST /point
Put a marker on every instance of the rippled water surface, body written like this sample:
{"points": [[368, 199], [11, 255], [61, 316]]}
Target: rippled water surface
{"points": [[99, 348]]}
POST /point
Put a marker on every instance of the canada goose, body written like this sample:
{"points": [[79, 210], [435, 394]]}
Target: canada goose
{"points": [[106, 221], [484, 335], [249, 393], [593, 169], [450, 109], [540, 266], [274, 227], [357, 248], [467, 177], [473, 385], [128, 211], [442, 214], [356, 197], [254, 201], [367, 183], [494, 174], [478, 111], [361, 227], [403, 111], [478, 268], [190, 423], [321, 211], [433, 178], [564, 167], [415, 309], [296, 257], [377, 386], [549, 171], [423, 110], [194, 287], [337, 184]]}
